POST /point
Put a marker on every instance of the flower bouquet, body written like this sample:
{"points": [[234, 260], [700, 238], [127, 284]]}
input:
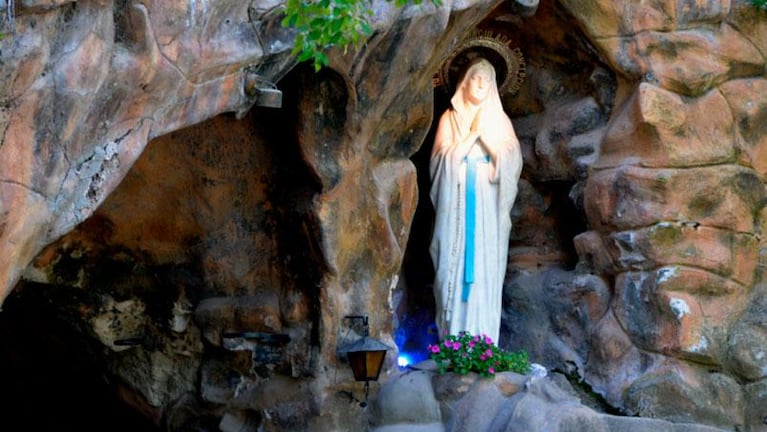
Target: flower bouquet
{"points": [[464, 353]]}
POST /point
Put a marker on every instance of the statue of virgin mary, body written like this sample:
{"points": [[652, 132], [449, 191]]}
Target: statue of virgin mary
{"points": [[475, 165]]}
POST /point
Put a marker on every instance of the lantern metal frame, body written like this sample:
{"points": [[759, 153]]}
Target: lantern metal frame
{"points": [[366, 356]]}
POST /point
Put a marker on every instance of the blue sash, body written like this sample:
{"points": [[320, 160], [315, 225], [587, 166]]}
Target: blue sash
{"points": [[471, 221]]}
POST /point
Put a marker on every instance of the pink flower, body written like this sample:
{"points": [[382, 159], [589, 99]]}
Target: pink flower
{"points": [[471, 344], [488, 340], [491, 370], [434, 348], [482, 357], [489, 353], [448, 344], [456, 346], [476, 338]]}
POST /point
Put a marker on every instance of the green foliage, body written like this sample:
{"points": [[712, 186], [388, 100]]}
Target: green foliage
{"points": [[464, 353], [323, 24], [759, 4]]}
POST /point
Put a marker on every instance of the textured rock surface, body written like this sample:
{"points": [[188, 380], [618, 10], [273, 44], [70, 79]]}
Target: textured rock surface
{"points": [[506, 402], [215, 256], [674, 207]]}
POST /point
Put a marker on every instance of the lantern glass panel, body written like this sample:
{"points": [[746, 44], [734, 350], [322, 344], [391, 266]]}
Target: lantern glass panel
{"points": [[366, 365]]}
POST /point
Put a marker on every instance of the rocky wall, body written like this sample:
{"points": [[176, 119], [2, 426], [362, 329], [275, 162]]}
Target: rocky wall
{"points": [[684, 251], [215, 265]]}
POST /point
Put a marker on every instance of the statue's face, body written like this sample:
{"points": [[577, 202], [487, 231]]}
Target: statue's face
{"points": [[478, 85]]}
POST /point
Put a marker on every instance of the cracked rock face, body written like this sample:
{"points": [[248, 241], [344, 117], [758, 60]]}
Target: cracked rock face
{"points": [[212, 249]]}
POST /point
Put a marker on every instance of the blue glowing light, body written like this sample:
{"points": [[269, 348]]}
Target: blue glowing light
{"points": [[403, 360], [413, 336]]}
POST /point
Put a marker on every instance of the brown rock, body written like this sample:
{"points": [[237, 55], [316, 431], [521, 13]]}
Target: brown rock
{"points": [[681, 393], [725, 196], [690, 13], [508, 384], [593, 253], [750, 24], [747, 105], [710, 58], [666, 131], [723, 252], [608, 19], [746, 354], [679, 311], [217, 316]]}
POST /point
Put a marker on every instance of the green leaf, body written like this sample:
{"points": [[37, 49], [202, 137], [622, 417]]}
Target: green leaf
{"points": [[322, 58], [336, 25], [306, 55], [324, 24]]}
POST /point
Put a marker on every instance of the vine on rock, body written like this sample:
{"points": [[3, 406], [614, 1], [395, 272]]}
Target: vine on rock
{"points": [[323, 24]]}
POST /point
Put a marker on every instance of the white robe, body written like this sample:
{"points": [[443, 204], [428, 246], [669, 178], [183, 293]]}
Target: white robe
{"points": [[496, 190]]}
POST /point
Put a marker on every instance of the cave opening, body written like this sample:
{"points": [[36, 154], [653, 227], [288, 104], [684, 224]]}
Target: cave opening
{"points": [[51, 377], [101, 333]]}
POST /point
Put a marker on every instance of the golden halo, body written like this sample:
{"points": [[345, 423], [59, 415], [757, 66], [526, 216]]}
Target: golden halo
{"points": [[509, 63]]}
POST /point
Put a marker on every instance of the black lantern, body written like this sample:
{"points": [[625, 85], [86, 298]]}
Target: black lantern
{"points": [[366, 356]]}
